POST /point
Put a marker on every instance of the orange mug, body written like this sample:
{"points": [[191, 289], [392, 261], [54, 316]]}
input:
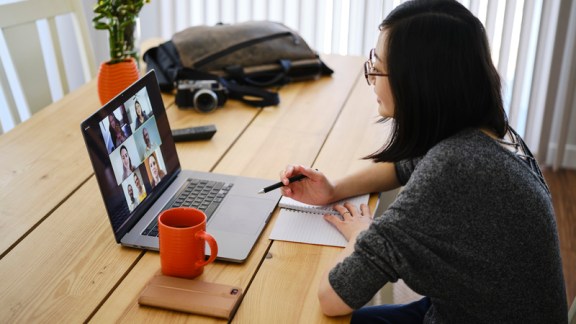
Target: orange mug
{"points": [[183, 238]]}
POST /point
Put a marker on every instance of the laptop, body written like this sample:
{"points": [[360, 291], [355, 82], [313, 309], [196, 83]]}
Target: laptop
{"points": [[139, 174]]}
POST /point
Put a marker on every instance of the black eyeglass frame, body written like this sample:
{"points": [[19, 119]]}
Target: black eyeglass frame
{"points": [[370, 70]]}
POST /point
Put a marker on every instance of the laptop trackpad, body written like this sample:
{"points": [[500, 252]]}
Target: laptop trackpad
{"points": [[241, 215]]}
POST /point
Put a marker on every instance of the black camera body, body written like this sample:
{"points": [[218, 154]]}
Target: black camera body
{"points": [[204, 95]]}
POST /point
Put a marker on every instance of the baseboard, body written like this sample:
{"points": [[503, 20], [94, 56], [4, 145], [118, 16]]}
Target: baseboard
{"points": [[569, 156]]}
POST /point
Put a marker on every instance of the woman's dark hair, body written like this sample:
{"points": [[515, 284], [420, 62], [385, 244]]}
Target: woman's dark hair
{"points": [[441, 76], [141, 109], [123, 147]]}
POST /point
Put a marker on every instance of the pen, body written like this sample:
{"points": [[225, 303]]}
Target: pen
{"points": [[280, 184]]}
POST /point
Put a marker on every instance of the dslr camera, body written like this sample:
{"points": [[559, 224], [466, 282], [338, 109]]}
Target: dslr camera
{"points": [[204, 95]]}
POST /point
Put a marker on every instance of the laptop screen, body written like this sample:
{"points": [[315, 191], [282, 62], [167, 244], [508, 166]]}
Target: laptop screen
{"points": [[132, 151]]}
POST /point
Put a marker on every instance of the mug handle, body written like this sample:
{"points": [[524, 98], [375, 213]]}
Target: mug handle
{"points": [[213, 247]]}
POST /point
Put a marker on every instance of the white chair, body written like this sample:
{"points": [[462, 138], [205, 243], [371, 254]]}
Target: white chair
{"points": [[43, 44]]}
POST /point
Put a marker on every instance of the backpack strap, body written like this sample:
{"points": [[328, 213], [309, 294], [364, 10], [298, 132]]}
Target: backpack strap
{"points": [[252, 96], [236, 72]]}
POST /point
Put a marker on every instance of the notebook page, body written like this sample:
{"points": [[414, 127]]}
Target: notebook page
{"points": [[297, 226], [290, 203]]}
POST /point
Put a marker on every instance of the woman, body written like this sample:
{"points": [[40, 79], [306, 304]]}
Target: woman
{"points": [[116, 131], [127, 166], [473, 229], [155, 170], [141, 117]]}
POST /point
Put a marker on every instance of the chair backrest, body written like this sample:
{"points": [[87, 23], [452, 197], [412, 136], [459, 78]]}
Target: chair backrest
{"points": [[42, 43]]}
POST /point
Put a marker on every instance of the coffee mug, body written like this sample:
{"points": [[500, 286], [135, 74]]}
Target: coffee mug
{"points": [[183, 238]]}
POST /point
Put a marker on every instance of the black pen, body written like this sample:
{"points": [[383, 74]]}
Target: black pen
{"points": [[280, 184]]}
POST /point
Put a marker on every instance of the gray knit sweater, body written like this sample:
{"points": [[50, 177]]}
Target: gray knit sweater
{"points": [[473, 229]]}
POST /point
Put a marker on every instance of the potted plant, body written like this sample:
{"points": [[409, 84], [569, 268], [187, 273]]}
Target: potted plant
{"points": [[120, 19]]}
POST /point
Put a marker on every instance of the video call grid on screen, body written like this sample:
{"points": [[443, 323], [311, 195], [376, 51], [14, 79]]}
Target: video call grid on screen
{"points": [[131, 148], [131, 137]]}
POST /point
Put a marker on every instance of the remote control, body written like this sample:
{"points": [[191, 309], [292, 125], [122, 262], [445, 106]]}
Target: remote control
{"points": [[194, 133]]}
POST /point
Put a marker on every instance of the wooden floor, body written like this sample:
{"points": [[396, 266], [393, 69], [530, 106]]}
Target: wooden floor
{"points": [[562, 184]]}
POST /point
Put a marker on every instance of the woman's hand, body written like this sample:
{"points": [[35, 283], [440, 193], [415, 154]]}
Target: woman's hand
{"points": [[353, 220], [315, 189]]}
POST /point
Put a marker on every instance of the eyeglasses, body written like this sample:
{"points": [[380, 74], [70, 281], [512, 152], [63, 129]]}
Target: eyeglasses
{"points": [[370, 71]]}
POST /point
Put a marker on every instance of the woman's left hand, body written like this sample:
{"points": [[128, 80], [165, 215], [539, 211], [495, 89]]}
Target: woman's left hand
{"points": [[353, 220]]}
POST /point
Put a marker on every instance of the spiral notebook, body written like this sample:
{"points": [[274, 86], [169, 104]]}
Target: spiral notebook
{"points": [[303, 223]]}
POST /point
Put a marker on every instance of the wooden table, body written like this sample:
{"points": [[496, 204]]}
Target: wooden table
{"points": [[58, 258]]}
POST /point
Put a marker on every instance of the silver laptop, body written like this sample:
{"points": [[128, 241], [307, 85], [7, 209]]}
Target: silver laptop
{"points": [[135, 162]]}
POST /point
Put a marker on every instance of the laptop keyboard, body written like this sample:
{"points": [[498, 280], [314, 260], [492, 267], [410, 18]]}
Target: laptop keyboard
{"points": [[200, 194]]}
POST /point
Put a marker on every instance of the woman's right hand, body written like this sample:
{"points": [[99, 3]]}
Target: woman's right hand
{"points": [[315, 189]]}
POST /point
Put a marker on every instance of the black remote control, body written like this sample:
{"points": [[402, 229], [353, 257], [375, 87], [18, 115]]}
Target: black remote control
{"points": [[194, 133]]}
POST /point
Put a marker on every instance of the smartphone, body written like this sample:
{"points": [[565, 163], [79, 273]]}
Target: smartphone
{"points": [[191, 296]]}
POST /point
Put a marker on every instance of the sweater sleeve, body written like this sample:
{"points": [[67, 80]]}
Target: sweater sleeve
{"points": [[361, 275], [395, 242]]}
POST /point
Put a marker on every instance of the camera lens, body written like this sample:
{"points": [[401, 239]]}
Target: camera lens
{"points": [[205, 100]]}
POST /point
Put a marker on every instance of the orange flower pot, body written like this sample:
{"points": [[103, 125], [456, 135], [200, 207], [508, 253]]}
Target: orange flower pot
{"points": [[114, 78]]}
